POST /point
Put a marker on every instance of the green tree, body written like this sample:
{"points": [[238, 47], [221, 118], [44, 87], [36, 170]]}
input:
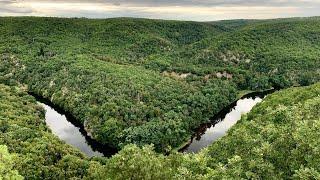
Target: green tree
{"points": [[6, 165]]}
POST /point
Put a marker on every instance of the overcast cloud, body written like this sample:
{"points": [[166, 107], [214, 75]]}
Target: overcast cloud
{"points": [[198, 10]]}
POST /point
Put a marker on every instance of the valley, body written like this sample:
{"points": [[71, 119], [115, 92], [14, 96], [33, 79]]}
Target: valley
{"points": [[136, 90]]}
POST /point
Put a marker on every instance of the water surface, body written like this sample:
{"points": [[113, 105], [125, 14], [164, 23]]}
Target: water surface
{"points": [[208, 133], [67, 132], [72, 132]]}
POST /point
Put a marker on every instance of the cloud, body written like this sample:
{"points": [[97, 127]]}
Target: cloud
{"points": [[11, 7], [199, 10], [203, 3], [211, 3]]}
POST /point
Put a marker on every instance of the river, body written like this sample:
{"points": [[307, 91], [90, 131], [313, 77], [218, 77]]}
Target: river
{"points": [[67, 129], [221, 123]]}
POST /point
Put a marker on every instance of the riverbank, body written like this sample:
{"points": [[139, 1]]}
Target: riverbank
{"points": [[218, 117], [107, 151]]}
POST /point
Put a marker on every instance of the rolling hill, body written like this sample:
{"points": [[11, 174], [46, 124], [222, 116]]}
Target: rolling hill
{"points": [[136, 82]]}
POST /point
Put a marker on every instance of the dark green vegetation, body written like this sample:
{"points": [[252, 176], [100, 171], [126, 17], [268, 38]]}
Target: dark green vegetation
{"points": [[35, 152], [278, 139], [6, 162], [141, 82], [93, 69], [152, 81]]}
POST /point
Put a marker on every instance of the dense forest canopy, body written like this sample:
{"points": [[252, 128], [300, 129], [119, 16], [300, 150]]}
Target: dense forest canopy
{"points": [[94, 69], [144, 86], [278, 139], [152, 81]]}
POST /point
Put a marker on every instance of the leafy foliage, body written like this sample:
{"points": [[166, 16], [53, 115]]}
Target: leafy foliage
{"points": [[153, 82], [6, 164], [118, 102], [38, 154], [124, 78], [278, 138]]}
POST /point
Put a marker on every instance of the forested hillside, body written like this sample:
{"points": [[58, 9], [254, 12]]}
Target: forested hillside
{"points": [[261, 54], [95, 70], [35, 152], [278, 139], [152, 81]]}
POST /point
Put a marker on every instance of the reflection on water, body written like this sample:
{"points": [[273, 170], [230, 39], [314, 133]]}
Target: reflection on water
{"points": [[67, 132], [72, 132], [225, 122]]}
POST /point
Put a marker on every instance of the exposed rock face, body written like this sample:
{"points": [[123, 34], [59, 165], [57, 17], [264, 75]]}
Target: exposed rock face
{"points": [[233, 57], [51, 83], [219, 75], [87, 129], [230, 56], [176, 75], [247, 60], [224, 75], [64, 91]]}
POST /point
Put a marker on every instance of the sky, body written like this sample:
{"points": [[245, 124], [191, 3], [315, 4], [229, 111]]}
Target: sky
{"points": [[195, 10]]}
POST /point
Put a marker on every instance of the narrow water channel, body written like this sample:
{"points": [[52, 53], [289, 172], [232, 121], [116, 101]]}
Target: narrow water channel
{"points": [[67, 132], [210, 132], [67, 129]]}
